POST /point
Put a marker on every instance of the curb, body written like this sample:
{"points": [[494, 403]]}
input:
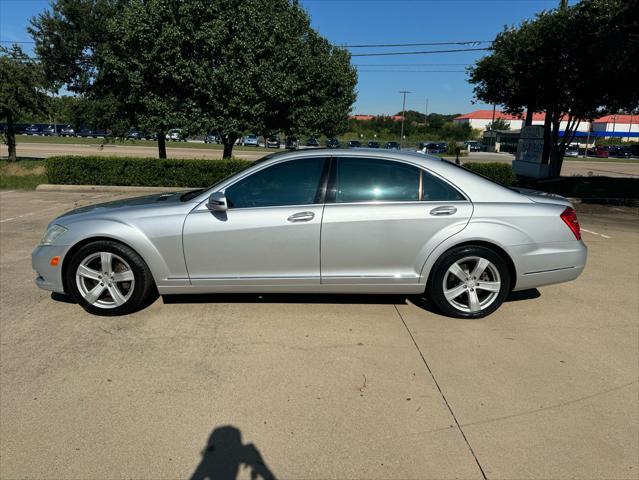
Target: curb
{"points": [[49, 187]]}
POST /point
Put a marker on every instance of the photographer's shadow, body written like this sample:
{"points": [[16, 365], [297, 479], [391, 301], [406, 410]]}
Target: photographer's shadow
{"points": [[225, 453]]}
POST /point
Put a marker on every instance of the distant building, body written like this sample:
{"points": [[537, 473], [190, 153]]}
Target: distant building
{"points": [[397, 118], [481, 119], [625, 127]]}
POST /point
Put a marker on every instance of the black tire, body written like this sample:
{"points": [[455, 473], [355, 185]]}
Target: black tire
{"points": [[143, 287], [456, 308]]}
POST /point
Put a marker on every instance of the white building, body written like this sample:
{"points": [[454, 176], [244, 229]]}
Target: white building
{"points": [[480, 119], [617, 126]]}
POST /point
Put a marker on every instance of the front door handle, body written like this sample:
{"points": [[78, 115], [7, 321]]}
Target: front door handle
{"points": [[447, 210], [301, 217]]}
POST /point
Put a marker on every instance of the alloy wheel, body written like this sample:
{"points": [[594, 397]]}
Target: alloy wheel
{"points": [[105, 280], [471, 284]]}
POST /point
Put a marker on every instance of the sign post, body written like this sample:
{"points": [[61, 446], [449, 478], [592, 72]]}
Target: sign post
{"points": [[530, 148]]}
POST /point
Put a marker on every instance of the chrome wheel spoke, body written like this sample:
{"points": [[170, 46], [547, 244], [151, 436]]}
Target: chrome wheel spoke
{"points": [[116, 295], [489, 286], [456, 270], [454, 292], [87, 272], [94, 294], [106, 259], [125, 276], [482, 263], [473, 301]]}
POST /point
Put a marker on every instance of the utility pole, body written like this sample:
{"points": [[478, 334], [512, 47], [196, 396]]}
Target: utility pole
{"points": [[563, 4], [426, 117], [401, 136]]}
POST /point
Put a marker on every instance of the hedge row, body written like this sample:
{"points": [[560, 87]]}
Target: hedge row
{"points": [[499, 172], [153, 172], [147, 172]]}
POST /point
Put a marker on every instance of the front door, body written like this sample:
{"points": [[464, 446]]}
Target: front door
{"points": [[269, 235], [378, 220]]}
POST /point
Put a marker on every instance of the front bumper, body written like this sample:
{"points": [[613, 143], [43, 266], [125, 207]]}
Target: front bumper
{"points": [[48, 277]]}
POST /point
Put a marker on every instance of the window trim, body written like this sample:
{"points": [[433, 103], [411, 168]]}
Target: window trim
{"points": [[331, 193], [320, 191]]}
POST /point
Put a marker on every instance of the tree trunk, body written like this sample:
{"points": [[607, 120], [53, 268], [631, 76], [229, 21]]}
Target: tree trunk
{"points": [[545, 156], [556, 156], [228, 141], [161, 144], [11, 138], [530, 110]]}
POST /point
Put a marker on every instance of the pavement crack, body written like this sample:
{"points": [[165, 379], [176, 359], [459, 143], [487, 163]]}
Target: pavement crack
{"points": [[459, 427]]}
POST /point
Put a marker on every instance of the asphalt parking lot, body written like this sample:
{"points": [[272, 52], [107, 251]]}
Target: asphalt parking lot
{"points": [[325, 386]]}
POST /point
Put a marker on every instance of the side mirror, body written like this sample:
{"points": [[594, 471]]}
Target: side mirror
{"points": [[217, 202]]}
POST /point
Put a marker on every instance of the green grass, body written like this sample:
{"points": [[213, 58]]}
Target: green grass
{"points": [[25, 174], [128, 143]]}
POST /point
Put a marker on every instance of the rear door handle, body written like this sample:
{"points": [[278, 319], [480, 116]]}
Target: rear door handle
{"points": [[301, 217], [447, 210]]}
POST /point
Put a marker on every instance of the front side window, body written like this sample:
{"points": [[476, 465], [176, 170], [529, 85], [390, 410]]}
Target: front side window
{"points": [[288, 183], [371, 179]]}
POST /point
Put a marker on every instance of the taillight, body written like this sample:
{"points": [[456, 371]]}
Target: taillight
{"points": [[569, 216]]}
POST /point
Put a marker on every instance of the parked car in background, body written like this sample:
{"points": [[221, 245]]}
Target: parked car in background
{"points": [[251, 140], [176, 135], [67, 131], [49, 131], [33, 130], [150, 136], [620, 152], [634, 149], [354, 144], [211, 138], [572, 151], [86, 133], [373, 144], [599, 152], [473, 145], [332, 143], [312, 142], [134, 135], [101, 133], [391, 146], [291, 143], [273, 142], [360, 222], [432, 147]]}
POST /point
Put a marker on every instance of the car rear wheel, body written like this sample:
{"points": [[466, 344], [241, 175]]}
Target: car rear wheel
{"points": [[469, 282], [108, 278]]}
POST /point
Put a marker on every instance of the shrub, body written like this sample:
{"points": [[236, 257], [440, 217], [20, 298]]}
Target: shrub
{"points": [[499, 172], [147, 172]]}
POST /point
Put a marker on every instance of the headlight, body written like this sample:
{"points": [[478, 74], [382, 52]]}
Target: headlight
{"points": [[52, 234]]}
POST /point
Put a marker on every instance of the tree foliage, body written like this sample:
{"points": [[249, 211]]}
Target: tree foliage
{"points": [[573, 63], [223, 66], [21, 91]]}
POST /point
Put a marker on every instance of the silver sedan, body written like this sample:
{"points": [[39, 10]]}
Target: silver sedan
{"points": [[320, 221]]}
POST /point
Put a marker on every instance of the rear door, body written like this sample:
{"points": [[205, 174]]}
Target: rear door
{"points": [[379, 217]]}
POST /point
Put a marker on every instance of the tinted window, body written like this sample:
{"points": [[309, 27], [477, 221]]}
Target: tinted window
{"points": [[436, 190], [288, 183], [365, 180]]}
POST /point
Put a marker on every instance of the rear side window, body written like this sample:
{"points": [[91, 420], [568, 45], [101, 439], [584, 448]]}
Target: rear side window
{"points": [[436, 190], [370, 180], [288, 183]]}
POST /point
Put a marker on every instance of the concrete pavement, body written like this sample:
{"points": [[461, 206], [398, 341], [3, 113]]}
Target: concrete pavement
{"points": [[321, 386]]}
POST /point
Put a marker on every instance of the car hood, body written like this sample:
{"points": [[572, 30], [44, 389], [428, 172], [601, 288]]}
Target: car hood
{"points": [[538, 196], [127, 205]]}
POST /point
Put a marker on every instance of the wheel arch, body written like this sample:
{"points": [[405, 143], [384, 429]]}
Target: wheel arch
{"points": [[498, 249], [86, 241]]}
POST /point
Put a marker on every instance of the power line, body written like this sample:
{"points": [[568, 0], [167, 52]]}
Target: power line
{"points": [[412, 64], [369, 54], [15, 41], [384, 45], [411, 71]]}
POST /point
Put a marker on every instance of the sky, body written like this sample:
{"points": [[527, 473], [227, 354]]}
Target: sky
{"points": [[437, 82]]}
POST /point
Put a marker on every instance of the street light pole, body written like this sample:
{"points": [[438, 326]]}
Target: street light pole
{"points": [[401, 135]]}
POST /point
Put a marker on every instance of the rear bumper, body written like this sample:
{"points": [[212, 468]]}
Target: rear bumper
{"points": [[549, 263], [48, 277]]}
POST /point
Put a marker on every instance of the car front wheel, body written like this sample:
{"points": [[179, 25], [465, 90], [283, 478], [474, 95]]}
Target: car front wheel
{"points": [[469, 282], [108, 278]]}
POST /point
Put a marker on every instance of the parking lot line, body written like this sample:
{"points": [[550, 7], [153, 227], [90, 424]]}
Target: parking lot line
{"points": [[595, 233]]}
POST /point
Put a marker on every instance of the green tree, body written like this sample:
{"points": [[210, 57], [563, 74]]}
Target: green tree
{"points": [[225, 66], [21, 91], [571, 63], [499, 124]]}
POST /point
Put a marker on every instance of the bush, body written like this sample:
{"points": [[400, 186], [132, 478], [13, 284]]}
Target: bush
{"points": [[146, 172], [499, 172]]}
